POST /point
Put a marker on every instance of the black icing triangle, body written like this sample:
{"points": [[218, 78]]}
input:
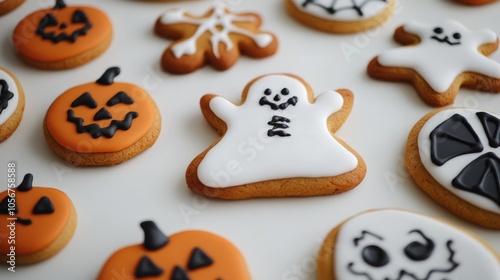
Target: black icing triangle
{"points": [[120, 97], [154, 239], [79, 17], [179, 274], [491, 125], [86, 100], [44, 206], [199, 259], [147, 268], [102, 114]]}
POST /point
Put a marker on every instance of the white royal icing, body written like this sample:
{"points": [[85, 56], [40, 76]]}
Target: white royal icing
{"points": [[343, 10], [470, 260], [438, 62], [246, 154], [12, 103], [448, 171], [220, 24]]}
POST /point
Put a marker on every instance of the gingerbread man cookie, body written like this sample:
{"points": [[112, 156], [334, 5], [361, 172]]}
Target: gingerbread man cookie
{"points": [[218, 38], [439, 59], [278, 142], [11, 104]]}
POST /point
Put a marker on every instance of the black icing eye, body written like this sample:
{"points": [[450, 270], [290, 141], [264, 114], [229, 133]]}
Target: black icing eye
{"points": [[457, 36], [86, 100], [417, 251], [79, 17], [438, 30], [285, 91], [4, 206], [120, 97], [268, 91], [44, 206], [375, 256], [48, 20]]}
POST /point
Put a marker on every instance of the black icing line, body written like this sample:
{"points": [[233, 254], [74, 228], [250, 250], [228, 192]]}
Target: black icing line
{"points": [[96, 131], [50, 20], [491, 126], [363, 235], [445, 40], [417, 251], [291, 101], [332, 10], [5, 95], [109, 76]]}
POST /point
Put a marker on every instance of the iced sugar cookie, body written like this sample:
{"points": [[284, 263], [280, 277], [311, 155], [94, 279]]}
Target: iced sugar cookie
{"points": [[438, 59], [341, 16], [453, 156], [40, 220], [278, 142], [217, 37], [11, 104], [102, 123], [194, 255], [63, 36], [9, 5], [395, 244]]}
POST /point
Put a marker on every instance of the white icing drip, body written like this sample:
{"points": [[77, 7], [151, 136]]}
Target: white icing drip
{"points": [[474, 260], [12, 104], [447, 172], [219, 24], [440, 63], [343, 8], [246, 154]]}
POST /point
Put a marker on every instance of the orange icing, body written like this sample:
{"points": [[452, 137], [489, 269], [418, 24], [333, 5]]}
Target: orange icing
{"points": [[65, 133], [44, 229], [34, 47], [228, 263]]}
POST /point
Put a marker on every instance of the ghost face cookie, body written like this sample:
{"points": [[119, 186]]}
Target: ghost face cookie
{"points": [[278, 142], [36, 222], [217, 38], [102, 123], [438, 59], [9, 5], [62, 37], [453, 156], [195, 255], [395, 244], [341, 16], [11, 104]]}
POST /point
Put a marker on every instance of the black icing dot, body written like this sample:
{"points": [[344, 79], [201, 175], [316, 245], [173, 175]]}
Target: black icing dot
{"points": [[285, 91], [268, 91], [375, 256], [457, 36], [438, 30]]}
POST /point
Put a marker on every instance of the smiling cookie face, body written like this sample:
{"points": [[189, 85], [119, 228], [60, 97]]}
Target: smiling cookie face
{"points": [[442, 37]]}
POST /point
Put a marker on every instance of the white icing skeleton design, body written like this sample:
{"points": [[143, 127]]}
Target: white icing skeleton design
{"points": [[276, 133], [445, 51]]}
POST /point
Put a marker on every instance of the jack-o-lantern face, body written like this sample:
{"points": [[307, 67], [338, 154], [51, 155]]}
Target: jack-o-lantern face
{"points": [[100, 117], [36, 217], [194, 255]]}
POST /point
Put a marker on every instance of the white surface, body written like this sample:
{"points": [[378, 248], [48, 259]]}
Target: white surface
{"points": [[278, 237]]}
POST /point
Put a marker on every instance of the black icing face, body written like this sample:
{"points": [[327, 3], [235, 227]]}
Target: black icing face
{"points": [[277, 99], [442, 37], [383, 259], [5, 95], [56, 30]]}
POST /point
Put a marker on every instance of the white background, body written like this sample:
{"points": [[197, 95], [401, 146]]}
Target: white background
{"points": [[278, 237]]}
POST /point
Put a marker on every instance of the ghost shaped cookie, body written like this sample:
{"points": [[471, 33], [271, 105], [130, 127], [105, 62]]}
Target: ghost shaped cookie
{"points": [[11, 104], [439, 59], [396, 244], [278, 142], [453, 156]]}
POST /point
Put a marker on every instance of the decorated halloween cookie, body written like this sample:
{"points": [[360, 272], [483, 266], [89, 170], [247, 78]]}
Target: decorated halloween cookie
{"points": [[11, 104], [278, 142], [187, 255], [9, 5], [453, 156], [36, 222], [62, 37], [395, 244], [438, 59], [218, 38], [476, 2], [341, 16], [102, 123]]}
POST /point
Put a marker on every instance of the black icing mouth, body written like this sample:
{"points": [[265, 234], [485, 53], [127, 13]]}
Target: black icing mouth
{"points": [[445, 40], [49, 20], [282, 106], [96, 130], [25, 222]]}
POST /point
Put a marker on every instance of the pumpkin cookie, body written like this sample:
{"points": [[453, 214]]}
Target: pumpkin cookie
{"points": [[218, 38], [278, 142], [36, 222], [195, 255], [102, 123], [453, 156], [341, 16], [62, 37], [9, 5], [396, 244], [438, 59], [11, 104]]}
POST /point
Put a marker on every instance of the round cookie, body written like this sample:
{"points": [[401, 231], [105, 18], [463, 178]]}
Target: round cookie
{"points": [[396, 244], [62, 37], [218, 37], [8, 5], [453, 156], [11, 104], [102, 123], [40, 220], [438, 59], [278, 142], [195, 255], [341, 16]]}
